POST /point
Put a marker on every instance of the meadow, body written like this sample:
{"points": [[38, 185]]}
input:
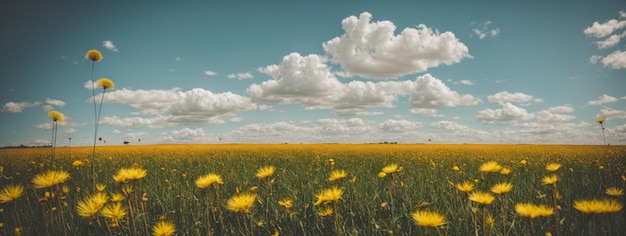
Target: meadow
{"points": [[314, 189]]}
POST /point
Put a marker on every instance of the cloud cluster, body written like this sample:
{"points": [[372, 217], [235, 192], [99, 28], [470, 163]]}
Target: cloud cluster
{"points": [[484, 29], [609, 34], [372, 50], [16, 107], [604, 99], [108, 44], [519, 98], [168, 108]]}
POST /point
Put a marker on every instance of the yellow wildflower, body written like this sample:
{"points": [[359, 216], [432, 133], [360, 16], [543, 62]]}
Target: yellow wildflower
{"points": [[428, 219]]}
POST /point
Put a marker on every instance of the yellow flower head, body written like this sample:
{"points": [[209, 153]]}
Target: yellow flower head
{"points": [[391, 168], [505, 171], [597, 206], [532, 211], [552, 167], [101, 187], [77, 163], [324, 212], [490, 220], [337, 175], [114, 211], [490, 166], [11, 193], [600, 120], [329, 195], [90, 206], [265, 172], [133, 173], [286, 203], [382, 174], [481, 197], [163, 228], [502, 188], [549, 180], [241, 203], [522, 162], [50, 178], [105, 83], [429, 219], [456, 168], [208, 180], [56, 116], [117, 197], [93, 55], [613, 191], [466, 186]]}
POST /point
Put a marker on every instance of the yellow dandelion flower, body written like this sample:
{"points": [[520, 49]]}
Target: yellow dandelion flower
{"points": [[382, 174], [600, 120], [105, 83], [93, 55], [522, 162], [456, 168], [481, 197], [526, 210], [466, 186], [56, 116], [552, 167], [241, 203], [505, 171], [117, 197], [490, 167], [50, 178], [265, 172], [329, 195], [11, 193], [163, 228], [543, 210], [614, 191], [100, 187], [391, 168], [324, 212], [502, 188], [90, 206], [337, 175], [114, 211], [490, 220], [286, 203], [596, 206], [65, 189], [428, 219], [136, 173], [549, 180], [77, 163], [208, 180]]}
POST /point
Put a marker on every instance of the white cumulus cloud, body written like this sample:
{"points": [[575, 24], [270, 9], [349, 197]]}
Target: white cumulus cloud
{"points": [[108, 44], [241, 76], [508, 114], [519, 98], [372, 50], [484, 29], [609, 35], [430, 92], [209, 73], [604, 99], [16, 107]]}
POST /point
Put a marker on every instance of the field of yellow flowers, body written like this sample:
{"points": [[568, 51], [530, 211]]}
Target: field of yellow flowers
{"points": [[290, 189]]}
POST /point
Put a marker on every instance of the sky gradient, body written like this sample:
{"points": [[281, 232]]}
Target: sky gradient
{"points": [[535, 72]]}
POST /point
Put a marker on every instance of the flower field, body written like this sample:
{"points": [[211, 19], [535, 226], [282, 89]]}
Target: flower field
{"points": [[325, 189]]}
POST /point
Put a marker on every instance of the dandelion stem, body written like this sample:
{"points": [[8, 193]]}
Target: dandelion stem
{"points": [[95, 135]]}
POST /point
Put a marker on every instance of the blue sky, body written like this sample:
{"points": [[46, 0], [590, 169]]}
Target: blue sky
{"points": [[315, 71]]}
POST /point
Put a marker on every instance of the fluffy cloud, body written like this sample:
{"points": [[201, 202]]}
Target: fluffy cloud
{"points": [[307, 80], [185, 135], [430, 92], [51, 103], [241, 76], [610, 113], [108, 44], [371, 50], [399, 125], [506, 97], [426, 111], [508, 114], [166, 108], [484, 29], [604, 99], [558, 114], [16, 107], [209, 73], [608, 36]]}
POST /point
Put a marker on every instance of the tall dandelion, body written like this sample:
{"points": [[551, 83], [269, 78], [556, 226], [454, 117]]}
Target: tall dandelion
{"points": [[501, 189], [95, 56], [429, 219], [601, 120], [56, 118]]}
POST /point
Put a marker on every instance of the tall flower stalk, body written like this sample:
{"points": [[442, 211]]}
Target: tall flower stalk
{"points": [[56, 118], [94, 56], [600, 120]]}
